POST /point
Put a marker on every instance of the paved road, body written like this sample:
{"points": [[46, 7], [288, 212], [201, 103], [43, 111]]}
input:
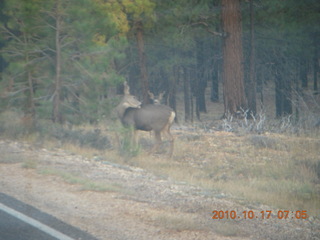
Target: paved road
{"points": [[19, 221]]}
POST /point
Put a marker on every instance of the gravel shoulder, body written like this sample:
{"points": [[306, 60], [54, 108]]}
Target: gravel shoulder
{"points": [[122, 202]]}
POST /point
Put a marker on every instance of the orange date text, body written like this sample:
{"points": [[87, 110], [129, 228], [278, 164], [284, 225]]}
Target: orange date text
{"points": [[265, 214]]}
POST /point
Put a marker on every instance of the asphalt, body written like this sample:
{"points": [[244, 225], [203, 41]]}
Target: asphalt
{"points": [[20, 221]]}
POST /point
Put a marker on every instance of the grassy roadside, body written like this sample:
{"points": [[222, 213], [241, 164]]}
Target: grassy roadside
{"points": [[273, 169], [281, 170]]}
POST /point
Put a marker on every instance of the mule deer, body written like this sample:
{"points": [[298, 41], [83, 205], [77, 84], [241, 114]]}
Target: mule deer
{"points": [[150, 117], [156, 100]]}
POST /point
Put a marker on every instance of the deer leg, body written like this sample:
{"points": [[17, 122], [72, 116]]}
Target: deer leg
{"points": [[171, 144], [135, 138], [171, 139], [157, 136]]}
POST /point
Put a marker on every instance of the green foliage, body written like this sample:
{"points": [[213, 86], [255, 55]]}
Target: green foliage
{"points": [[11, 125], [98, 47], [287, 26], [89, 45], [140, 10], [90, 138], [127, 147]]}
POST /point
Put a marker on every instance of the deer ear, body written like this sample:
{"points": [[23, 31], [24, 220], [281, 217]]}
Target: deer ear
{"points": [[161, 95], [126, 89], [150, 94]]}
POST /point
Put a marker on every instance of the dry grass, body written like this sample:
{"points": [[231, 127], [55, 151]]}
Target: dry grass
{"points": [[11, 158], [229, 229], [30, 163], [281, 171], [174, 221], [83, 183]]}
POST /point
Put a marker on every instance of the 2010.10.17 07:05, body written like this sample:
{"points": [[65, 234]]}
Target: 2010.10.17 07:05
{"points": [[265, 214]]}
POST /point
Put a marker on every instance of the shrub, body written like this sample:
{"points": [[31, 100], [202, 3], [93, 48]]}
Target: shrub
{"points": [[90, 138], [11, 124]]}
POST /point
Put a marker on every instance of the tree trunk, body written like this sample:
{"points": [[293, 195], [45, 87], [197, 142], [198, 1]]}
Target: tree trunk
{"points": [[215, 83], [134, 71], [56, 114], [214, 96], [233, 86], [215, 66], [315, 67], [30, 102], [186, 91], [30, 106], [251, 90], [283, 91], [260, 82], [303, 72], [172, 92], [142, 62], [28, 119], [191, 75], [201, 79]]}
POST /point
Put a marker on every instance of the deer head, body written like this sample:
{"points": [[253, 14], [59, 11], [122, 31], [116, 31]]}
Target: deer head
{"points": [[128, 101], [156, 100]]}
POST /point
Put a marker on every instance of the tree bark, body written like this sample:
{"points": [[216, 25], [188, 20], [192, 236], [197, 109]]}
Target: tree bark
{"points": [[191, 75], [215, 83], [56, 114], [172, 92], [215, 66], [282, 91], [30, 111], [30, 106], [30, 102], [251, 90], [142, 62], [303, 72], [315, 67], [186, 91], [233, 84], [201, 78]]}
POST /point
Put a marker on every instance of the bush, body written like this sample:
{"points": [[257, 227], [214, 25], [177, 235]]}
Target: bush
{"points": [[15, 125], [12, 125], [89, 138], [127, 148], [261, 141]]}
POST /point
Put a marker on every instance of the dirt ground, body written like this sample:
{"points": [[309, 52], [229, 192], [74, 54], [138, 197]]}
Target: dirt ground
{"points": [[135, 205]]}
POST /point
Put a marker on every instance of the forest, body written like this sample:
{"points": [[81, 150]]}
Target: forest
{"points": [[66, 60], [242, 77]]}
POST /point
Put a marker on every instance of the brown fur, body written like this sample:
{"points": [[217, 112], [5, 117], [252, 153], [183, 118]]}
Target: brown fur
{"points": [[157, 118]]}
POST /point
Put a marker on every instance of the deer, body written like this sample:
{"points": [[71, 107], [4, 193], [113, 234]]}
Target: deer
{"points": [[156, 100], [150, 117]]}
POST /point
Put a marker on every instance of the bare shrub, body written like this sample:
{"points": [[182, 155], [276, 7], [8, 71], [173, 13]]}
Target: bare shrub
{"points": [[90, 138], [246, 122], [260, 141], [307, 112], [11, 124], [307, 123]]}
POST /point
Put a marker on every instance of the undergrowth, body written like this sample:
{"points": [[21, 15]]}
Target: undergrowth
{"points": [[13, 126], [254, 161], [84, 183]]}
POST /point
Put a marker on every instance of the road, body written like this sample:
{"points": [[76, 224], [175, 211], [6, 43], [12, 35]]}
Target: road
{"points": [[19, 221]]}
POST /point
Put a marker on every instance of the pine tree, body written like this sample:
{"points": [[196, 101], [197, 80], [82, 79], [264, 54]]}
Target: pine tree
{"points": [[233, 86], [20, 31]]}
